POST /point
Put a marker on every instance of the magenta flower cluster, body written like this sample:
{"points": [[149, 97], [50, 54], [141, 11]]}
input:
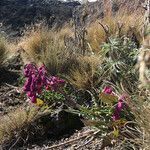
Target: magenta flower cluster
{"points": [[120, 104], [119, 107], [37, 80]]}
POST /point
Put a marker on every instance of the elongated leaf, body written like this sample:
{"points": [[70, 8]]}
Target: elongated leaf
{"points": [[108, 98]]}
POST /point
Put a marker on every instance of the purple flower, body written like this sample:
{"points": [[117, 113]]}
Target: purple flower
{"points": [[37, 80], [108, 90], [116, 116], [60, 81], [33, 98], [30, 94], [27, 84], [33, 83], [54, 83], [119, 107], [30, 69]]}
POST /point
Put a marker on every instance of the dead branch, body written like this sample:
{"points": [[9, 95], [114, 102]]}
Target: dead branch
{"points": [[106, 30], [71, 141]]}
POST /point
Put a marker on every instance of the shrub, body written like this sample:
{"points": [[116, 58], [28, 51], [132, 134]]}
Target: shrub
{"points": [[119, 64], [110, 115]]}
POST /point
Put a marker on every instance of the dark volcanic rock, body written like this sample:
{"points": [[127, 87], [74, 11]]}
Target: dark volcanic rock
{"points": [[15, 14]]}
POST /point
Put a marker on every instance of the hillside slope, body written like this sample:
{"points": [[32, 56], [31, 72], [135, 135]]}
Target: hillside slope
{"points": [[15, 14]]}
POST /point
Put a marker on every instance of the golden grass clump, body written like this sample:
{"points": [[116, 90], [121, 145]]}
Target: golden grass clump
{"points": [[141, 110], [96, 36], [120, 24], [3, 49], [15, 121], [44, 46], [36, 43], [86, 75]]}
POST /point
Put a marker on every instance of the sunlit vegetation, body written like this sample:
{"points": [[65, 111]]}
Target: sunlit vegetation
{"points": [[93, 72]]}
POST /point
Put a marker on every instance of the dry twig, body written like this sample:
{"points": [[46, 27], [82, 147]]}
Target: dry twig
{"points": [[91, 132]]}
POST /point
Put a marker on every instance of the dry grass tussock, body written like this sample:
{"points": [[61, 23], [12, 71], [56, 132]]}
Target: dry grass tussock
{"points": [[48, 47], [86, 75], [12, 123], [120, 24], [7, 50], [4, 48], [44, 46], [140, 106]]}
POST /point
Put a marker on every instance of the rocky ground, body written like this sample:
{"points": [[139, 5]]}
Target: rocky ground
{"points": [[9, 79], [81, 140]]}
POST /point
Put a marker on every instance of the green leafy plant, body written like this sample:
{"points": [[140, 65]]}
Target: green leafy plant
{"points": [[110, 115], [119, 65], [51, 97]]}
